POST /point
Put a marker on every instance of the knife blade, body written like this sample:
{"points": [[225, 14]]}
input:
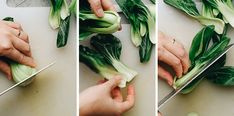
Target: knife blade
{"points": [[173, 93], [17, 84]]}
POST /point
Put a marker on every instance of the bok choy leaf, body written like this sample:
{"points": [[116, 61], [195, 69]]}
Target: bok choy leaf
{"points": [[142, 22], [189, 7]]}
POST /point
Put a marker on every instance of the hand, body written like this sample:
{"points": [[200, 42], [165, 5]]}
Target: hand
{"points": [[106, 99], [99, 5], [14, 44], [172, 53]]}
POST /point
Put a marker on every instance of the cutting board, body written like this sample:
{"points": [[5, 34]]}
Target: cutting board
{"points": [[207, 99], [144, 83], [53, 93]]}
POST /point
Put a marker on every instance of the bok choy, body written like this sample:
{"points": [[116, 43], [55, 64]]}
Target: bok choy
{"points": [[91, 24], [106, 59], [59, 18], [200, 57], [142, 26], [225, 7], [110, 47], [19, 71], [98, 64], [189, 7]]}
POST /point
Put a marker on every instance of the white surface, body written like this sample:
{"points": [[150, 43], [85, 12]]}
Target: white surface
{"points": [[207, 99], [144, 83], [53, 93]]}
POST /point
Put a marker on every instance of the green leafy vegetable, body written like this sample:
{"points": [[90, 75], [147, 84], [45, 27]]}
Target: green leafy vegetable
{"points": [[142, 25], [200, 43], [153, 1], [98, 64], [19, 71], [145, 49], [54, 17], [91, 24], [72, 7], [9, 19], [205, 55], [60, 18], [63, 32], [222, 76], [110, 47], [225, 7], [189, 7]]}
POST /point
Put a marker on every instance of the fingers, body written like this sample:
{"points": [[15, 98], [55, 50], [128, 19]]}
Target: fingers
{"points": [[113, 82], [125, 106], [116, 94], [17, 56], [107, 5], [165, 75], [21, 46], [5, 68], [96, 6], [168, 58], [19, 34], [13, 25], [178, 50], [17, 30], [24, 36]]}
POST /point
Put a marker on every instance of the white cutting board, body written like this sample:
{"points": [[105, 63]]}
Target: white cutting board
{"points": [[53, 93], [207, 99], [144, 83]]}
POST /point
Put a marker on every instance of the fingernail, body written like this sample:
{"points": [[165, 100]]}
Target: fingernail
{"points": [[100, 13], [34, 64]]}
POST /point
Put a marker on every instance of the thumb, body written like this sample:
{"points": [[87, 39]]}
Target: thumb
{"points": [[113, 82]]}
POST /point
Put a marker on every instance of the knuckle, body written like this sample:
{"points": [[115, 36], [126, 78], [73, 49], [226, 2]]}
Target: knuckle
{"points": [[26, 37], [5, 47], [177, 63], [96, 4], [7, 34], [21, 58], [27, 49], [182, 54], [17, 25], [160, 52]]}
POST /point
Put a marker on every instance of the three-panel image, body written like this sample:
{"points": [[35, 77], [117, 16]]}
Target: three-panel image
{"points": [[116, 57]]}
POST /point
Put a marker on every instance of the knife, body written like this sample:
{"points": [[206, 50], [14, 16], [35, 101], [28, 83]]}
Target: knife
{"points": [[172, 94], [30, 77]]}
